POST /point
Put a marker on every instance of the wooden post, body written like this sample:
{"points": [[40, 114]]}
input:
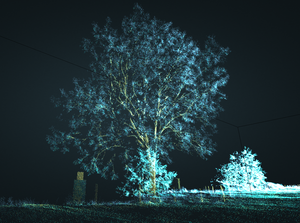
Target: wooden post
{"points": [[178, 183], [174, 196], [140, 193], [79, 188], [96, 192], [178, 187]]}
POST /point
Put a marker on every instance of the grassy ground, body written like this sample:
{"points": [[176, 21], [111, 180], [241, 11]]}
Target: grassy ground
{"points": [[200, 208]]}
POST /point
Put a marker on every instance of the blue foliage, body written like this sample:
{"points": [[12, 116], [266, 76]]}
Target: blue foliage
{"points": [[148, 166], [243, 172], [149, 84]]}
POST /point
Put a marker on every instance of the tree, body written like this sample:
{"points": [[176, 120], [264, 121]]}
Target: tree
{"points": [[242, 172], [150, 83]]}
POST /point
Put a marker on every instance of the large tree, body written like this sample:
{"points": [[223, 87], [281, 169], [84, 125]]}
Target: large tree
{"points": [[150, 83]]}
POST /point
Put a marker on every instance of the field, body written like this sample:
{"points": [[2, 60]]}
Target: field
{"points": [[201, 207]]}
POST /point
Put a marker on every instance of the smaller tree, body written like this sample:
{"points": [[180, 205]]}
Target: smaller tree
{"points": [[243, 172], [162, 178]]}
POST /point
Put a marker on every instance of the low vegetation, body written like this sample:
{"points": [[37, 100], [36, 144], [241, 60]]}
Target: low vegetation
{"points": [[202, 207]]}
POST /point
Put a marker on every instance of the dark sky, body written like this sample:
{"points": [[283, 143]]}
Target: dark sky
{"points": [[263, 86]]}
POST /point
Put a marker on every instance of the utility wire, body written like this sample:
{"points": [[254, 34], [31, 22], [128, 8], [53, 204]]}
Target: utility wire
{"points": [[45, 53], [238, 127]]}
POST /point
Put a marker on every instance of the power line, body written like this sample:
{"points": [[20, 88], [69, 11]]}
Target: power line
{"points": [[45, 53], [238, 127]]}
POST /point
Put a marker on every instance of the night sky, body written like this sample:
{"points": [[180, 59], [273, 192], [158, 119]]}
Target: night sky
{"points": [[262, 91]]}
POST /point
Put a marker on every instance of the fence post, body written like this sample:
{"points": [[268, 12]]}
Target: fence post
{"points": [[140, 193], [96, 192], [79, 188], [174, 196], [178, 187], [178, 183]]}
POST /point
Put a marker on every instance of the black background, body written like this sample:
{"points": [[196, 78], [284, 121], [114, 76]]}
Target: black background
{"points": [[263, 85]]}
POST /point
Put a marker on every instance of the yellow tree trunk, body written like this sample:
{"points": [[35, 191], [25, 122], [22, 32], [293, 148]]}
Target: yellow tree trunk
{"points": [[152, 175]]}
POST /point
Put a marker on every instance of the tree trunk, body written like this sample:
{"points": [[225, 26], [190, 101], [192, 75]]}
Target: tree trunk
{"points": [[152, 176]]}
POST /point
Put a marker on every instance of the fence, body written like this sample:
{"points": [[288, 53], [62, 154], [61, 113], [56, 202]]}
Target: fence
{"points": [[80, 184]]}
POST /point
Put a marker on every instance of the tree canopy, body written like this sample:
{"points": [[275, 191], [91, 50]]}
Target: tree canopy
{"points": [[150, 83]]}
